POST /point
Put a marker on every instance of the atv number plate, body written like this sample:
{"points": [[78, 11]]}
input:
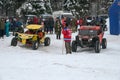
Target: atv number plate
{"points": [[23, 41]]}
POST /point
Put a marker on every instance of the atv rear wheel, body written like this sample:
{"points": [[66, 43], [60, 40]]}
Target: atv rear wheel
{"points": [[74, 46], [14, 42], [104, 43], [97, 47], [35, 45], [47, 41]]}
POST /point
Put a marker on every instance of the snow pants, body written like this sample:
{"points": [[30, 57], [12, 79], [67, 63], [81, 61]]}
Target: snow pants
{"points": [[68, 47]]}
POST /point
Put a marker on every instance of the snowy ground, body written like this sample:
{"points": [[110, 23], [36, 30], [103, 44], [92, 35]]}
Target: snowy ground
{"points": [[49, 63]]}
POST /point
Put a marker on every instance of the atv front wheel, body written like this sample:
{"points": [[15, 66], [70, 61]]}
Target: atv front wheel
{"points": [[74, 46], [47, 41], [35, 45], [104, 43], [14, 42], [97, 47]]}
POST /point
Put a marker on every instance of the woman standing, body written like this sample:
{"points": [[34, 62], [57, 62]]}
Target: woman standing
{"points": [[2, 28], [7, 26]]}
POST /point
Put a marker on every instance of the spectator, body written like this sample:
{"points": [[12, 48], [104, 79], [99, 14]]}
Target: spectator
{"points": [[63, 22], [51, 24], [19, 26], [7, 26], [30, 21], [2, 28], [46, 25], [14, 25], [73, 25], [88, 20], [81, 22], [58, 29], [35, 20]]}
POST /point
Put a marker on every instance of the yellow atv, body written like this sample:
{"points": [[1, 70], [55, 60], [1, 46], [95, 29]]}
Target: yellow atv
{"points": [[34, 36]]}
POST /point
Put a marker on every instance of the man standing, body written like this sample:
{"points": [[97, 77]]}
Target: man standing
{"points": [[67, 32], [58, 29], [2, 28], [51, 25]]}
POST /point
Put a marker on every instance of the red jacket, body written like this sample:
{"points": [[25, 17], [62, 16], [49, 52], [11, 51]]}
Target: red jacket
{"points": [[67, 34]]}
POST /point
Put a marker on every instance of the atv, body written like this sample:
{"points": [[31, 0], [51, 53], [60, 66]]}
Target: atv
{"points": [[90, 36], [33, 36]]}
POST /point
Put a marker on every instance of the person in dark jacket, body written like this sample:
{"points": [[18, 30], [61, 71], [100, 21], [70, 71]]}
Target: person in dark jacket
{"points": [[67, 33], [2, 28], [58, 29], [46, 25], [51, 25], [14, 25]]}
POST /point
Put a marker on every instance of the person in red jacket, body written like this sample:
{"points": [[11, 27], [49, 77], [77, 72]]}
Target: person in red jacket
{"points": [[35, 20], [79, 23], [67, 33]]}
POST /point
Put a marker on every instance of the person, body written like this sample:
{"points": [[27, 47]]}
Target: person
{"points": [[73, 25], [58, 29], [51, 25], [88, 20], [81, 21], [94, 22], [2, 28], [35, 20], [7, 26], [63, 21], [30, 21], [46, 26], [67, 33], [19, 26], [14, 25]]}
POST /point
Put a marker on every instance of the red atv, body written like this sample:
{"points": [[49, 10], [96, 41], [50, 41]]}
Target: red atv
{"points": [[90, 36]]}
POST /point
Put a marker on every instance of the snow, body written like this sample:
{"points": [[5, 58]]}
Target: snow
{"points": [[51, 62]]}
